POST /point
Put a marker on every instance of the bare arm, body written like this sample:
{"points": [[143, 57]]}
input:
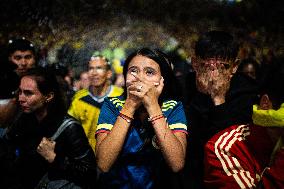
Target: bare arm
{"points": [[173, 145], [110, 144]]}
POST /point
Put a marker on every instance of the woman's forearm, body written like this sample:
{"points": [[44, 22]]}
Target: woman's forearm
{"points": [[173, 146], [109, 145]]}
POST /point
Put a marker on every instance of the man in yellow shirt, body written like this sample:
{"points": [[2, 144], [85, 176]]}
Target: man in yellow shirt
{"points": [[86, 103]]}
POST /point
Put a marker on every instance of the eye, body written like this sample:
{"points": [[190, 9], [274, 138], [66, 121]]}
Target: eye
{"points": [[27, 93], [100, 69], [133, 70], [28, 57], [150, 71], [17, 57], [225, 65]]}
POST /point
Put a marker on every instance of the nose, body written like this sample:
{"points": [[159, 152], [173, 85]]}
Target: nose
{"points": [[23, 62], [21, 98], [137, 76], [212, 65]]}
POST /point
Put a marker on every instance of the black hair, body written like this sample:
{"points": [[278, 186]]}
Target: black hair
{"points": [[108, 64], [170, 90], [20, 44], [47, 82], [217, 44]]}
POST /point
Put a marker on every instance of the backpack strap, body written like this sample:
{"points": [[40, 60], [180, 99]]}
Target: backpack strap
{"points": [[66, 123]]}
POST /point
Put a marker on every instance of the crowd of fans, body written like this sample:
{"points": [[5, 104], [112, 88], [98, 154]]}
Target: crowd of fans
{"points": [[143, 118]]}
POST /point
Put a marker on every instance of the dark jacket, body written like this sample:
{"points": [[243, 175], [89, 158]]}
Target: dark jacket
{"points": [[205, 119], [74, 159]]}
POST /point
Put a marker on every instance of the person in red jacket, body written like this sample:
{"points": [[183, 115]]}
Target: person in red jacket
{"points": [[250, 155]]}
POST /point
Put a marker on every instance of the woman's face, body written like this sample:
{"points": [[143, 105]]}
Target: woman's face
{"points": [[30, 98], [143, 68]]}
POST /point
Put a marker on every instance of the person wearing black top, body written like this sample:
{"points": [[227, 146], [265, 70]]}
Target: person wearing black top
{"points": [[222, 98], [69, 157]]}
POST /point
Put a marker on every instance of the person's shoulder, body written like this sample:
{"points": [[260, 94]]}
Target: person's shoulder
{"points": [[70, 122], [81, 93], [116, 91], [170, 104], [117, 101], [70, 118]]}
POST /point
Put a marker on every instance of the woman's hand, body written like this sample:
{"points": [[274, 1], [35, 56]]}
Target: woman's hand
{"points": [[145, 92], [46, 149]]}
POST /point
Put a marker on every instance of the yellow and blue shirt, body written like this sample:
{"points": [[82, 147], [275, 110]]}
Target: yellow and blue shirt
{"points": [[86, 107], [140, 162]]}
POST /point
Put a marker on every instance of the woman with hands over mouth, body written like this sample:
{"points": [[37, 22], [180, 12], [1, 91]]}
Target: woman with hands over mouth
{"points": [[144, 130]]}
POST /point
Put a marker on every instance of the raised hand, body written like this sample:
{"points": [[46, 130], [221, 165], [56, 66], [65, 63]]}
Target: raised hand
{"points": [[46, 149]]}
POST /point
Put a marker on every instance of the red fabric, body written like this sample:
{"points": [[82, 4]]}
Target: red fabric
{"points": [[237, 156]]}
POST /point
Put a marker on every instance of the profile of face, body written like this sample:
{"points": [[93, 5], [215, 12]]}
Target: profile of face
{"points": [[30, 98], [98, 73], [23, 59], [142, 68]]}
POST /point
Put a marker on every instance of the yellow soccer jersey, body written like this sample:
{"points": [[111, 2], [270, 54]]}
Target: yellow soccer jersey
{"points": [[86, 109]]}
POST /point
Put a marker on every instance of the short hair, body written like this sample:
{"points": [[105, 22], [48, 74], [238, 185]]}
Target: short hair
{"points": [[20, 44], [171, 84], [99, 56], [217, 44]]}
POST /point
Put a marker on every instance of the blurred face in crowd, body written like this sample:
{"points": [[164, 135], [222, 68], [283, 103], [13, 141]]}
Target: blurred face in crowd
{"points": [[8, 109], [98, 72], [31, 99], [249, 70], [143, 68], [23, 59], [213, 73], [84, 80]]}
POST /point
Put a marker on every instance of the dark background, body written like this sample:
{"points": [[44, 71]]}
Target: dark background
{"points": [[78, 27]]}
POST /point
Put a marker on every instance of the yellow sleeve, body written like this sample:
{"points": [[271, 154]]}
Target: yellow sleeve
{"points": [[72, 109], [75, 105], [268, 117]]}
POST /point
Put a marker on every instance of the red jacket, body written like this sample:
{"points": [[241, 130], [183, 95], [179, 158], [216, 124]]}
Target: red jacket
{"points": [[240, 157]]}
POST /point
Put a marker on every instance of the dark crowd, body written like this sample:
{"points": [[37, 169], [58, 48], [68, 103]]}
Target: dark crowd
{"points": [[151, 119]]}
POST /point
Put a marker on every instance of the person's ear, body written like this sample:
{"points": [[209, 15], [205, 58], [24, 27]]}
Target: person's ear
{"points": [[265, 103], [109, 74], [49, 97]]}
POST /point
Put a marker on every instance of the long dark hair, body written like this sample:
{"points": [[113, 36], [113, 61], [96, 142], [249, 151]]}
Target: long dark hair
{"points": [[47, 82], [170, 90]]}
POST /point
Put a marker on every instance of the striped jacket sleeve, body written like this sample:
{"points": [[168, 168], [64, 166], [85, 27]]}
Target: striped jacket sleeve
{"points": [[228, 162]]}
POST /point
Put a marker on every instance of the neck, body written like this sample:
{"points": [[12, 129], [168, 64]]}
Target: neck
{"points": [[100, 90], [41, 114]]}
